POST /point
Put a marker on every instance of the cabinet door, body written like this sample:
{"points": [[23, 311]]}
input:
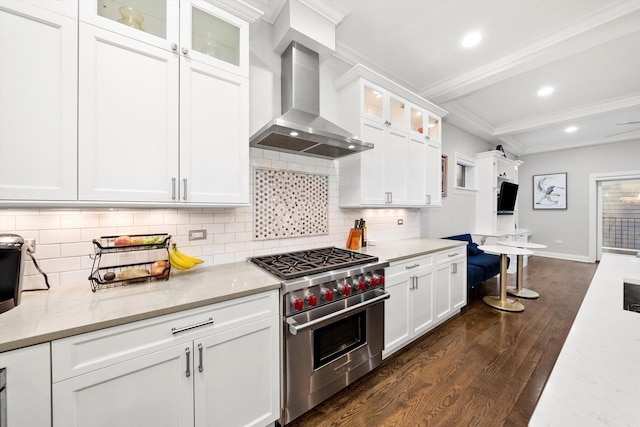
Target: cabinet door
{"points": [[237, 376], [421, 296], [373, 163], [214, 134], [396, 313], [38, 103], [416, 171], [28, 374], [214, 36], [128, 113], [152, 390], [153, 22], [459, 283], [395, 166], [442, 292]]}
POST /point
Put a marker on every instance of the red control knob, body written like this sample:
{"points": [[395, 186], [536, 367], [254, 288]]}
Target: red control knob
{"points": [[298, 304], [373, 282], [345, 290], [327, 294], [312, 300], [362, 285], [381, 280]]}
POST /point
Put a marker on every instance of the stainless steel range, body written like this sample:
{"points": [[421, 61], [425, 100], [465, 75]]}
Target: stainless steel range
{"points": [[333, 322]]}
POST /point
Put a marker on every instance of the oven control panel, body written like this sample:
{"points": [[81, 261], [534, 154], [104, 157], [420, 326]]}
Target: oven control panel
{"points": [[326, 293]]}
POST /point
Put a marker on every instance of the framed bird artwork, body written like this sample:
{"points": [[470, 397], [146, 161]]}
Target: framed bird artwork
{"points": [[550, 191]]}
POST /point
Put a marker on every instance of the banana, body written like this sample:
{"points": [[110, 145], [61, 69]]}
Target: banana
{"points": [[180, 260]]}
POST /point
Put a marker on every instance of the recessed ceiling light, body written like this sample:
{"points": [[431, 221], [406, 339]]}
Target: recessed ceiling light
{"points": [[293, 133], [471, 39], [571, 129], [544, 91], [351, 147]]}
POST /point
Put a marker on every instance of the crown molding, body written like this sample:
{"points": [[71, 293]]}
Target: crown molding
{"points": [[242, 9], [580, 144], [589, 32], [620, 103]]}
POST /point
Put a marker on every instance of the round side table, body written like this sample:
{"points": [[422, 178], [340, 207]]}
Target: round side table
{"points": [[519, 290]]}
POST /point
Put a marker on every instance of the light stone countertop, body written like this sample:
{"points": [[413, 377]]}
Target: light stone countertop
{"points": [[70, 310], [398, 250], [595, 379]]}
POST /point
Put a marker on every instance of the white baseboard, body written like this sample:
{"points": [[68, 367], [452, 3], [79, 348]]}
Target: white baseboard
{"points": [[568, 257]]}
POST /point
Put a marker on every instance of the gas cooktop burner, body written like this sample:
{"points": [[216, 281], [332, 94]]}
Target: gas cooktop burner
{"points": [[292, 265]]}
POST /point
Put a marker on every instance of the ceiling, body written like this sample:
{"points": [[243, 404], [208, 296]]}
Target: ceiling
{"points": [[587, 50]]}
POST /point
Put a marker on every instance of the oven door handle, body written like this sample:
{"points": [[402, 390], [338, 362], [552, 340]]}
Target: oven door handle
{"points": [[295, 327]]}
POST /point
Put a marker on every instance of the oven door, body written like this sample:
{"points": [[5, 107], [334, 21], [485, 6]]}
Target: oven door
{"points": [[330, 347]]}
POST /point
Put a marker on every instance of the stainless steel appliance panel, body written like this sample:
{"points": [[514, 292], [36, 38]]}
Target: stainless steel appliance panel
{"points": [[322, 359]]}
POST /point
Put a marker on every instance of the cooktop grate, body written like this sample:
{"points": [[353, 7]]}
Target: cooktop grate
{"points": [[292, 265]]}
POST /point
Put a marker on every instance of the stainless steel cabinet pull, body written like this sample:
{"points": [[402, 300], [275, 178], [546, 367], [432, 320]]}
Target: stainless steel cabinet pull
{"points": [[412, 266], [413, 283], [416, 280], [197, 325], [454, 268], [188, 371], [184, 183], [452, 255], [174, 46], [173, 188], [185, 50], [200, 357]]}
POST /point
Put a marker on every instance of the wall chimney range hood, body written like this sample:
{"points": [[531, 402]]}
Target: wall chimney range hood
{"points": [[300, 129]]}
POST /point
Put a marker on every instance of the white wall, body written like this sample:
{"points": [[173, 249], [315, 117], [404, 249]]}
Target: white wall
{"points": [[457, 214], [570, 226]]}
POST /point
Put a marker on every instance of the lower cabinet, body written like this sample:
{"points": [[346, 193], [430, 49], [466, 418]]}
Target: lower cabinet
{"points": [[424, 292], [215, 365], [28, 386]]}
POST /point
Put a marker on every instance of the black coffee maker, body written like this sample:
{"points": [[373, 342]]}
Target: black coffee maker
{"points": [[12, 257]]}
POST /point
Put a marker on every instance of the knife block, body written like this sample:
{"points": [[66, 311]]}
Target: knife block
{"points": [[353, 241]]}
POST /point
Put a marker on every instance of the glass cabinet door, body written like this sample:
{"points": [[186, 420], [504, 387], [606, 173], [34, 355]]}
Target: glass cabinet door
{"points": [[417, 120], [372, 102], [214, 36], [397, 112], [151, 21], [433, 129]]}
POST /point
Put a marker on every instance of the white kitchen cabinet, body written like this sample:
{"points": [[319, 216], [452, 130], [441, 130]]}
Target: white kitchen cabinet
{"points": [[409, 310], [38, 101], [450, 283], [424, 292], [395, 175], [189, 368], [28, 386], [163, 103]]}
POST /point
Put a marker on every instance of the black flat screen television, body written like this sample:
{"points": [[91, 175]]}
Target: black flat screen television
{"points": [[507, 198]]}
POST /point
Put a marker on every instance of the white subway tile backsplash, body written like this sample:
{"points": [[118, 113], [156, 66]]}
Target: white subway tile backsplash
{"points": [[59, 236], [7, 223], [38, 222], [74, 249], [116, 220], [80, 221]]}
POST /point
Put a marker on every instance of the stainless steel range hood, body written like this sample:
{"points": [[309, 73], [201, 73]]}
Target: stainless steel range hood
{"points": [[300, 129]]}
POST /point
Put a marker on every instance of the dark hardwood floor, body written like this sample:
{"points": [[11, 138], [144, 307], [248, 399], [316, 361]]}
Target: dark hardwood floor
{"points": [[483, 367]]}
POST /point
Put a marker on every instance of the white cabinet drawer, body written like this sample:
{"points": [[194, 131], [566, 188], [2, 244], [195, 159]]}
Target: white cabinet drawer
{"points": [[408, 265], [451, 254], [84, 353]]}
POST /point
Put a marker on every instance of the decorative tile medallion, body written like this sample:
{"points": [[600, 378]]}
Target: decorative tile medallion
{"points": [[290, 204]]}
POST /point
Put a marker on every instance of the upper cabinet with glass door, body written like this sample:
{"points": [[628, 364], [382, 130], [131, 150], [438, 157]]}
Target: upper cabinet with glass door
{"points": [[195, 29], [425, 123], [382, 105]]}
